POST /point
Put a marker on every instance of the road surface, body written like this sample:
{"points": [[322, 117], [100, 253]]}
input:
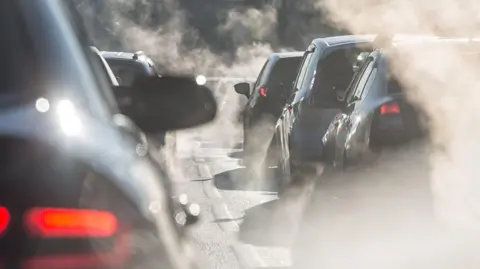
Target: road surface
{"points": [[208, 175]]}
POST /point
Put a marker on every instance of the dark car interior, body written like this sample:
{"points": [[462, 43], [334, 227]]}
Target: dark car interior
{"points": [[282, 76], [333, 75]]}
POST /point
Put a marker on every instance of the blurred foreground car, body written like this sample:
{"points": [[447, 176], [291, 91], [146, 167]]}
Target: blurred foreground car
{"points": [[128, 67], [266, 99], [78, 190]]}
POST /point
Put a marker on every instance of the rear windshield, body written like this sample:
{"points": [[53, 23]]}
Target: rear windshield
{"points": [[394, 86], [127, 71], [284, 71]]}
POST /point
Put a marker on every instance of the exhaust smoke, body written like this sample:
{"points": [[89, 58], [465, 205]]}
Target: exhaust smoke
{"points": [[389, 214]]}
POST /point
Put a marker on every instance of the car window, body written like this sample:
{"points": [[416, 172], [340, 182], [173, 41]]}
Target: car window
{"points": [[303, 70], [371, 79], [126, 70], [299, 87], [361, 81], [284, 72], [105, 69]]}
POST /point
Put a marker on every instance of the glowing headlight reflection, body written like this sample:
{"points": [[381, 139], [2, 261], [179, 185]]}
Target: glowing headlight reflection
{"points": [[201, 80], [42, 105], [69, 121]]}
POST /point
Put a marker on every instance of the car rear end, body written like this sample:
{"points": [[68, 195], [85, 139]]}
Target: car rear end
{"points": [[397, 120]]}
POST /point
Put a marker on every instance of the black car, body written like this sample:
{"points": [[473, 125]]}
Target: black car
{"points": [[266, 99], [128, 67], [77, 190]]}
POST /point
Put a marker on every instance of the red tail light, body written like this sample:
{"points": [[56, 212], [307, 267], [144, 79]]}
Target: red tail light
{"points": [[59, 222], [391, 108], [263, 92], [4, 219]]}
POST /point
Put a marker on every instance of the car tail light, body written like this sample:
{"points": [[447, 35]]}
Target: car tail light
{"points": [[60, 222], [263, 92], [4, 219], [391, 108]]}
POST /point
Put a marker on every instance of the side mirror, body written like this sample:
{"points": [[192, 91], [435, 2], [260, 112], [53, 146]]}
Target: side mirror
{"points": [[158, 104], [243, 88]]}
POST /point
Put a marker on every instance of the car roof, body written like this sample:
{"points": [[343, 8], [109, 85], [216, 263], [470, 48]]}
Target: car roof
{"points": [[349, 39], [120, 55], [291, 54]]}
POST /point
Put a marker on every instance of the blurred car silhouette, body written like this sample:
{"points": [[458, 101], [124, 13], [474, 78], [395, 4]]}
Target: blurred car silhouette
{"points": [[77, 188]]}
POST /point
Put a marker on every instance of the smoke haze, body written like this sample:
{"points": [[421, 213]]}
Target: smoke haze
{"points": [[440, 79]]}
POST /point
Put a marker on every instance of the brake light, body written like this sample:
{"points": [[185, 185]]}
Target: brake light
{"points": [[263, 92], [391, 108], [4, 219], [60, 222]]}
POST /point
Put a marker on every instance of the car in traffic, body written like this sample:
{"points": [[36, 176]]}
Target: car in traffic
{"points": [[266, 99], [376, 112], [78, 190], [327, 69], [128, 67]]}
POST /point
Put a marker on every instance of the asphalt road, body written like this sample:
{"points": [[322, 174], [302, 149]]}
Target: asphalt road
{"points": [[208, 173]]}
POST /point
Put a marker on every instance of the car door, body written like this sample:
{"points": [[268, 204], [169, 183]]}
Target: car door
{"points": [[347, 122], [282, 130]]}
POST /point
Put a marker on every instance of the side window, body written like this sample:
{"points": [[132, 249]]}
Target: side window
{"points": [[360, 81], [370, 80], [303, 71]]}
